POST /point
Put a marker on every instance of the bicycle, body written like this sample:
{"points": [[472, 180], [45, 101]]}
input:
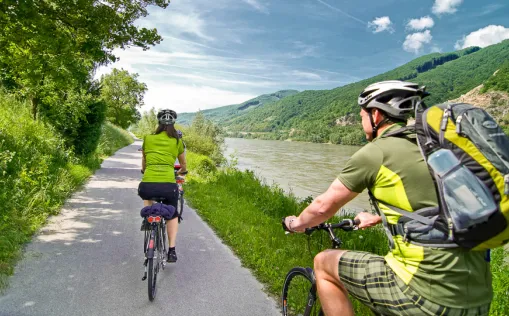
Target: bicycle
{"points": [[305, 277], [154, 246]]}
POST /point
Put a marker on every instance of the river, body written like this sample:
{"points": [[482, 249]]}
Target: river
{"points": [[304, 169]]}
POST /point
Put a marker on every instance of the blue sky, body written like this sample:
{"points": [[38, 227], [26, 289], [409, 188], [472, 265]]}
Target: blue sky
{"points": [[220, 52]]}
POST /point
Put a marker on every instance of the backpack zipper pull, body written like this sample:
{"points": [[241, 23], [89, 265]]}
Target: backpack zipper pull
{"points": [[445, 117], [458, 124], [506, 184]]}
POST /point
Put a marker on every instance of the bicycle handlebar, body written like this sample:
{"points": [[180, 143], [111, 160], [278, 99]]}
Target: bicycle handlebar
{"points": [[347, 225]]}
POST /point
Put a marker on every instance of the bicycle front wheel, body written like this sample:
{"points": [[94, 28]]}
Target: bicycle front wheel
{"points": [[180, 206], [299, 293]]}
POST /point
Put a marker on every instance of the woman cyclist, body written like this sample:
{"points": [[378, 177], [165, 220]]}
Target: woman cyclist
{"points": [[160, 151]]}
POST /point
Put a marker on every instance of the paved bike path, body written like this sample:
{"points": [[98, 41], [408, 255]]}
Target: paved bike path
{"points": [[88, 260]]}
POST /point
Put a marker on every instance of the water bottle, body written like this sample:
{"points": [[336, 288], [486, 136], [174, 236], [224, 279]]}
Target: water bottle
{"points": [[468, 200]]}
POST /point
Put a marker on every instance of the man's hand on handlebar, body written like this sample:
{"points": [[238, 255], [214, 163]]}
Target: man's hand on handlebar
{"points": [[289, 223], [367, 219]]}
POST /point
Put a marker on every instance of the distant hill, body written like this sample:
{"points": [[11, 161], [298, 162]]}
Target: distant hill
{"points": [[229, 112], [332, 115]]}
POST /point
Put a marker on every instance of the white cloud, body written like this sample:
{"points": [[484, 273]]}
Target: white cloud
{"points": [[190, 98], [303, 50], [436, 49], [489, 35], [414, 42], [341, 11], [446, 6], [257, 5], [425, 22], [306, 75], [381, 24], [190, 23]]}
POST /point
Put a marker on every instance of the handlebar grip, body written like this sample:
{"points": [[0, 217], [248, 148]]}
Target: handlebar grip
{"points": [[184, 173], [284, 225]]}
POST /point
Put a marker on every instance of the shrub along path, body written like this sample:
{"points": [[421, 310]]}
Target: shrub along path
{"points": [[88, 260]]}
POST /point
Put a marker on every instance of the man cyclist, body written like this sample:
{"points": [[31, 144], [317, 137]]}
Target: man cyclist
{"points": [[410, 279]]}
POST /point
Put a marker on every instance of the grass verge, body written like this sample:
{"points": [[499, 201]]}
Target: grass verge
{"points": [[37, 175]]}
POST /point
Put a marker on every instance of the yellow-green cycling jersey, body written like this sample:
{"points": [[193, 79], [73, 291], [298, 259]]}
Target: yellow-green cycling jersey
{"points": [[393, 169]]}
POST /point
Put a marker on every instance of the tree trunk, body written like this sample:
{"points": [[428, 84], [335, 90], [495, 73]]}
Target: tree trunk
{"points": [[35, 103]]}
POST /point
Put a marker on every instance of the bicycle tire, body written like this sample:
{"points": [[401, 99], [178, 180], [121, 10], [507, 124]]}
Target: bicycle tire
{"points": [[299, 293], [164, 251], [181, 204], [152, 269]]}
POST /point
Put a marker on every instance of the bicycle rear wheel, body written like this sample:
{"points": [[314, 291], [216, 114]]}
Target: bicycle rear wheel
{"points": [[299, 293]]}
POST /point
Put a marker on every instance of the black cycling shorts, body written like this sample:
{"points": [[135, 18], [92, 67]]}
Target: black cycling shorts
{"points": [[157, 190]]}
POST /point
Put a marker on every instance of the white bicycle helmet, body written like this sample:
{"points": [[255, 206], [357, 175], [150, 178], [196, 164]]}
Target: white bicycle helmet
{"points": [[396, 98]]}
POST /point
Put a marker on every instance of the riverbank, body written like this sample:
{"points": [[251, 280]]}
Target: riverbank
{"points": [[246, 214], [301, 169], [38, 174]]}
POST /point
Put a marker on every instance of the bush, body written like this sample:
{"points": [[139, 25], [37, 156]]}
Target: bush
{"points": [[78, 119]]}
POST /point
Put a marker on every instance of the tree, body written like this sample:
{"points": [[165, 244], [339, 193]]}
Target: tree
{"points": [[52, 46], [123, 95]]}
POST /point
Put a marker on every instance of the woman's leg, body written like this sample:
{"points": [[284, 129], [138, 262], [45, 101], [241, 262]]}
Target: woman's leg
{"points": [[172, 228]]}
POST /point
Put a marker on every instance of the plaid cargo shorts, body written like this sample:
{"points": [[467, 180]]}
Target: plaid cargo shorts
{"points": [[367, 278]]}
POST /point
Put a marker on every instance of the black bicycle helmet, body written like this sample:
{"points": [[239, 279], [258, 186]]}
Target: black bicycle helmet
{"points": [[166, 117]]}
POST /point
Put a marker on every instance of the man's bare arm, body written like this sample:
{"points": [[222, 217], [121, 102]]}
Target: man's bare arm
{"points": [[324, 206]]}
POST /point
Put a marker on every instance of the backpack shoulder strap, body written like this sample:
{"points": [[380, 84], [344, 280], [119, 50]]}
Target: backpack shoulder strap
{"points": [[407, 132]]}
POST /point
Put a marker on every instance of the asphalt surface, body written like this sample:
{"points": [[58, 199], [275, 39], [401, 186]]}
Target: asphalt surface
{"points": [[88, 260]]}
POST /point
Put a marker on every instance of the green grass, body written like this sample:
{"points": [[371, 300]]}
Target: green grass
{"points": [[247, 215], [500, 271], [37, 175]]}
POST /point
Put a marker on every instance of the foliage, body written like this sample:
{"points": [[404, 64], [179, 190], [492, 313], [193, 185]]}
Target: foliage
{"points": [[499, 82], [78, 119], [123, 95], [50, 50], [202, 137], [38, 173], [146, 125], [112, 138]]}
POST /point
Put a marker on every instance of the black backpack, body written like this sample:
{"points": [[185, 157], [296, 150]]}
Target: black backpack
{"points": [[473, 192]]}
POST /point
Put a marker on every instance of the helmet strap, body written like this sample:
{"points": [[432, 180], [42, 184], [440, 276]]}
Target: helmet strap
{"points": [[374, 126]]}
